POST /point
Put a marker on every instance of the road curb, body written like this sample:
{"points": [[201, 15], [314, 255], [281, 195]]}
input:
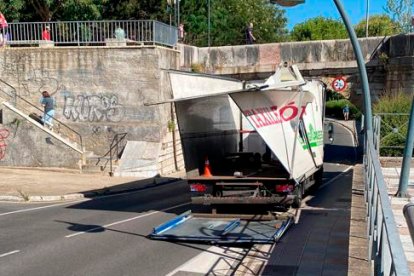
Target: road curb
{"points": [[90, 195]]}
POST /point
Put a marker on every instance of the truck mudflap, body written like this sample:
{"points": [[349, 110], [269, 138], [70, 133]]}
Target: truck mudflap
{"points": [[190, 228]]}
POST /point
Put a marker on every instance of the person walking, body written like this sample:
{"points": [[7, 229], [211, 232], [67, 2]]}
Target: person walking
{"points": [[249, 34], [48, 104], [3, 29], [46, 33], [346, 112], [181, 33]]}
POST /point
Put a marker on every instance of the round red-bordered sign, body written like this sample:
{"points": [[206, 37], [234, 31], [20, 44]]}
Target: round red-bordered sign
{"points": [[339, 84]]}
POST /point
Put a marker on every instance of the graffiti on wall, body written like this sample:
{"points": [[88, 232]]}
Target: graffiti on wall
{"points": [[93, 108], [4, 133], [31, 74]]}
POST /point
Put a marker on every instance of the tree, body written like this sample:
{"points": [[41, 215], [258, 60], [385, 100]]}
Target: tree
{"points": [[81, 10], [318, 28], [12, 9], [229, 18], [136, 9], [401, 11], [44, 9], [378, 25]]}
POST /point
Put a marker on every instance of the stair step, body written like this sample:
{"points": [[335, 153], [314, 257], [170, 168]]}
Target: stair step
{"points": [[71, 144], [93, 169]]}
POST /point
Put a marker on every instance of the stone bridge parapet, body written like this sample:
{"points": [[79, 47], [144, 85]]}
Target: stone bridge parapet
{"points": [[262, 59]]}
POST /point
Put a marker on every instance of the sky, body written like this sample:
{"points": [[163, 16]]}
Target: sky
{"points": [[356, 10]]}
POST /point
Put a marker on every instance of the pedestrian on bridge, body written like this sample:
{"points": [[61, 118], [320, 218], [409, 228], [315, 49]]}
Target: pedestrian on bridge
{"points": [[249, 34], [46, 33], [3, 29]]}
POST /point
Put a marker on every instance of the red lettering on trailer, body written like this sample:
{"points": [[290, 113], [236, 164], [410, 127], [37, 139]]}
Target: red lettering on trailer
{"points": [[266, 116]]}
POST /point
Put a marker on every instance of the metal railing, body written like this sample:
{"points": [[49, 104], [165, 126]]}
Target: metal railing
{"points": [[390, 132], [385, 247], [91, 33], [115, 151], [35, 112]]}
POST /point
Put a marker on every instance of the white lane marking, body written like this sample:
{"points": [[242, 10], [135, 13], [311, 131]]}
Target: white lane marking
{"points": [[256, 260], [70, 202], [39, 208], [335, 178], [125, 220], [214, 261], [9, 253]]}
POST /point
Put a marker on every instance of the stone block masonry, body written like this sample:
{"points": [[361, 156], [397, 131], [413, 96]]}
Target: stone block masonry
{"points": [[388, 62], [99, 92]]}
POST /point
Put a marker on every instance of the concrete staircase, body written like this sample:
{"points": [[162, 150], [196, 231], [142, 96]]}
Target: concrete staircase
{"points": [[95, 164], [75, 146]]}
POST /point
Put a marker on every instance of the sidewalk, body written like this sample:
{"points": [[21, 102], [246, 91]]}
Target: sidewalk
{"points": [[55, 184], [391, 177]]}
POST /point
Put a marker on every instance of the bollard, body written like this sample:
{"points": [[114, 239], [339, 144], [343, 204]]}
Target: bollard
{"points": [[408, 212]]}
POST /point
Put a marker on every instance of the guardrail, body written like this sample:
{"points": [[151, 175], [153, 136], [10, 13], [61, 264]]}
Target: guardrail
{"points": [[34, 112], [385, 248], [91, 33]]}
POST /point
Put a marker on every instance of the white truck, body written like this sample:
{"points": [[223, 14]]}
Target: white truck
{"points": [[254, 145]]}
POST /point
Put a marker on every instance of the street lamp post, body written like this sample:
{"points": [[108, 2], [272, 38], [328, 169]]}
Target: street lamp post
{"points": [[367, 20], [209, 26], [358, 53]]}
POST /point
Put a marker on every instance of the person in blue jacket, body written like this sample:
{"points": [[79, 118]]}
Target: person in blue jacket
{"points": [[346, 112], [48, 104]]}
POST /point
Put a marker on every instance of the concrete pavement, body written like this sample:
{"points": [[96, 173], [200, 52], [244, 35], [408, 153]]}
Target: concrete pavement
{"points": [[391, 170]]}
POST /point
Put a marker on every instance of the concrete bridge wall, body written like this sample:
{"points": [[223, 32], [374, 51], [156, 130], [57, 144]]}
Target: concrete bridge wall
{"points": [[101, 91], [388, 62]]}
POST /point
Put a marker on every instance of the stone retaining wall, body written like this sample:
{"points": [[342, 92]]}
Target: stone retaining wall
{"points": [[100, 91]]}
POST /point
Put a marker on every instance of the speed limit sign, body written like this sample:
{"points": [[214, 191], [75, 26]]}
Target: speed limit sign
{"points": [[339, 84]]}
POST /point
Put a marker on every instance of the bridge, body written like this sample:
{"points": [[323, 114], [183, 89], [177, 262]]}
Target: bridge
{"points": [[100, 90]]}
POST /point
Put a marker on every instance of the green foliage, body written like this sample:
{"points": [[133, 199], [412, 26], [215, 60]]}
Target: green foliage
{"points": [[69, 10], [393, 103], [394, 124], [319, 28], [334, 109], [333, 95], [12, 9], [228, 20], [401, 11], [378, 25], [81, 10], [137, 9]]}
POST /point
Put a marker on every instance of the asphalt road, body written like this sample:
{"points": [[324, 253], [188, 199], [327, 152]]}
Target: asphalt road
{"points": [[107, 236]]}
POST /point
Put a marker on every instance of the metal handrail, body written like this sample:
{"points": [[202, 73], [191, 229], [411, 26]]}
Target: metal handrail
{"points": [[116, 140], [385, 249], [93, 33], [15, 97]]}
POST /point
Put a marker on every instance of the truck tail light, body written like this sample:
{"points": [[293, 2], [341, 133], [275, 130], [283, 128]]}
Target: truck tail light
{"points": [[198, 187], [284, 188]]}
